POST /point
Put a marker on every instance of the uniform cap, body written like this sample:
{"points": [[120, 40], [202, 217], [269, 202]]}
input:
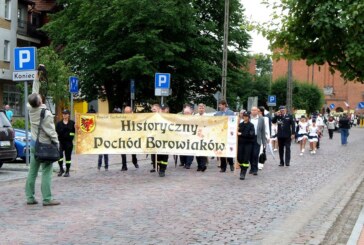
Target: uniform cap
{"points": [[66, 111], [282, 107]]}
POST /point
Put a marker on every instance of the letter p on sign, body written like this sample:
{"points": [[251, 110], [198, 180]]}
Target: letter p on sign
{"points": [[162, 80], [24, 57]]}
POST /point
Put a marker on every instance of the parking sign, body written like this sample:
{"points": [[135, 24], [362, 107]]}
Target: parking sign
{"points": [[162, 84], [24, 63], [272, 100]]}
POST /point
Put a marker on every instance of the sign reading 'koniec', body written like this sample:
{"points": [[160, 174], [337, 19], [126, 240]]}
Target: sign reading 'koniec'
{"points": [[155, 133]]}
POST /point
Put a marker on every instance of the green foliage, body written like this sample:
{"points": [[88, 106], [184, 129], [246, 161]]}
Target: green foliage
{"points": [[110, 42], [305, 96], [19, 123], [329, 31]]}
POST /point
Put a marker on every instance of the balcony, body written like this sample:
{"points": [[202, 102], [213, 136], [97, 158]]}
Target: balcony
{"points": [[26, 28]]}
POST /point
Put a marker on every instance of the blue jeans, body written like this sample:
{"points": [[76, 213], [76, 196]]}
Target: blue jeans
{"points": [[344, 135]]}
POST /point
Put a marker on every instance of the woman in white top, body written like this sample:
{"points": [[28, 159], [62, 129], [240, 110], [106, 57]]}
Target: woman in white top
{"points": [[331, 125], [313, 134], [302, 133]]}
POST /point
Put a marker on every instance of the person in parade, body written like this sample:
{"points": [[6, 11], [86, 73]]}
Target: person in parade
{"points": [[201, 160], [246, 138], [273, 138], [331, 126], [344, 125], [302, 134], [225, 111], [187, 160], [259, 139], [313, 135], [66, 132], [285, 134], [134, 159]]}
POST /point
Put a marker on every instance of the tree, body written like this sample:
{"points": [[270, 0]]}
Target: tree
{"points": [[305, 96], [329, 31], [110, 42]]}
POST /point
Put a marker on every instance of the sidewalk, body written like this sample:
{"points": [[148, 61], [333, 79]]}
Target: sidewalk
{"points": [[357, 235]]}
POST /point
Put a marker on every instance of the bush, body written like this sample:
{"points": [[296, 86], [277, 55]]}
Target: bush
{"points": [[19, 123]]}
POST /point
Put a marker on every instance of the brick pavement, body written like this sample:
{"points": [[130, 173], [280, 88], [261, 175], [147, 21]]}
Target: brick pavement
{"points": [[290, 205]]}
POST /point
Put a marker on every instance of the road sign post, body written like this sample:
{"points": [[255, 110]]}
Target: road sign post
{"points": [[162, 83], [132, 92], [73, 85], [24, 70]]}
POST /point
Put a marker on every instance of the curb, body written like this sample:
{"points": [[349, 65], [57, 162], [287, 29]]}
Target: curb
{"points": [[357, 235]]}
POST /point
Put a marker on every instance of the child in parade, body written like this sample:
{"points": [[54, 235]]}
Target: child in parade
{"points": [[302, 134], [313, 135], [273, 138]]}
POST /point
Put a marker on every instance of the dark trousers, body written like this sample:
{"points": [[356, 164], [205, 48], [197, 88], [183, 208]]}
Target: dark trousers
{"points": [[134, 160], [201, 162], [106, 159], [66, 148], [331, 133], [284, 143], [223, 162], [254, 156], [244, 152], [186, 160]]}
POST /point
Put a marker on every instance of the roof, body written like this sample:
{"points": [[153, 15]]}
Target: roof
{"points": [[44, 5]]}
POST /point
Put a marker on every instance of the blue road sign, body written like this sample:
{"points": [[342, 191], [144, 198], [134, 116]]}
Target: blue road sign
{"points": [[73, 84], [24, 59], [272, 99], [132, 86], [162, 80], [332, 106], [361, 105]]}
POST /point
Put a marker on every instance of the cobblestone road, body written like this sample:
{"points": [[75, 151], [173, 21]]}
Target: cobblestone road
{"points": [[290, 205]]}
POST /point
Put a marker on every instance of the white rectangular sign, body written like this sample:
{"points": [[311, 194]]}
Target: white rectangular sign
{"points": [[24, 75]]}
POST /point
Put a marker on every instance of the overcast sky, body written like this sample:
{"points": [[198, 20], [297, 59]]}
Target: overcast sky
{"points": [[255, 11]]}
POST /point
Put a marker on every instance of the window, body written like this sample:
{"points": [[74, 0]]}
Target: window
{"points": [[6, 50], [13, 97], [7, 9]]}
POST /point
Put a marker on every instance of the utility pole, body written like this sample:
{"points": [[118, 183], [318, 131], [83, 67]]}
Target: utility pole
{"points": [[289, 87], [225, 50]]}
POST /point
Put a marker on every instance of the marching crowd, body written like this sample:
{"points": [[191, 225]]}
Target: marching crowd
{"points": [[257, 131]]}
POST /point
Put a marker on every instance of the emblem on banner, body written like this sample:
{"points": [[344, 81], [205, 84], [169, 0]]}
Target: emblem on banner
{"points": [[87, 123]]}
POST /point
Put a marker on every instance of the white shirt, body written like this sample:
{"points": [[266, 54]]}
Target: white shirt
{"points": [[255, 120]]}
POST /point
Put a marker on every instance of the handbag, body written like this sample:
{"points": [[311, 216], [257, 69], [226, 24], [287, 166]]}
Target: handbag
{"points": [[45, 152], [262, 157]]}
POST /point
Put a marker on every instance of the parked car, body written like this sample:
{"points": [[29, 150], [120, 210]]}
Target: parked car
{"points": [[7, 146], [20, 143]]}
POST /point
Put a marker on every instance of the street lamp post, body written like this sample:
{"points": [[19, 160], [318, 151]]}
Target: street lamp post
{"points": [[225, 50]]}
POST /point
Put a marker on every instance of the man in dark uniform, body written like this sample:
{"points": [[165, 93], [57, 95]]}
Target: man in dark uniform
{"points": [[286, 132], [162, 160], [66, 132]]}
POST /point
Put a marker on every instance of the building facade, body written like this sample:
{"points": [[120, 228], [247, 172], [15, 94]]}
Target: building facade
{"points": [[338, 93], [20, 21]]}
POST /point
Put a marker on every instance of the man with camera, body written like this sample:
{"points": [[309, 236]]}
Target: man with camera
{"points": [[47, 135]]}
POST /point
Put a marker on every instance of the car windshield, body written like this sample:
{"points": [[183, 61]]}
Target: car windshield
{"points": [[4, 122]]}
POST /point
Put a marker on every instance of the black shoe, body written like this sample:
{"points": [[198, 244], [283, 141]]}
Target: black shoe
{"points": [[60, 173], [231, 167], [203, 169], [67, 174], [281, 165], [242, 177], [187, 167], [198, 169], [32, 202], [136, 165], [162, 174], [124, 169], [152, 170], [250, 172], [255, 173], [222, 171], [51, 203], [287, 165]]}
